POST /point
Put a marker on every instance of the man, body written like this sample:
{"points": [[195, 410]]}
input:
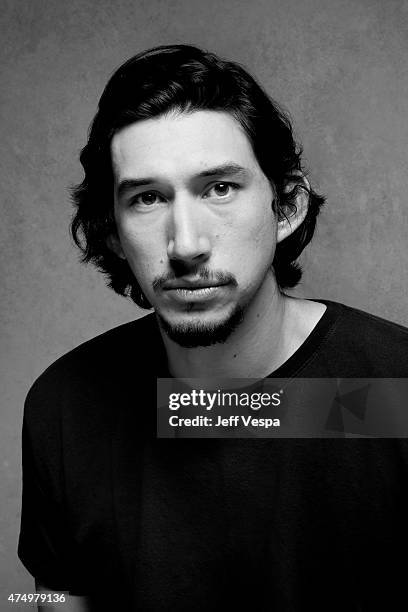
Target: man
{"points": [[195, 204]]}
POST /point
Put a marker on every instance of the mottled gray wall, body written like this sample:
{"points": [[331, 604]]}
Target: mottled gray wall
{"points": [[339, 67]]}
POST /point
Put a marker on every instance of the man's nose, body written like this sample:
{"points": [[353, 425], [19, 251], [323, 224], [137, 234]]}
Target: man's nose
{"points": [[189, 241]]}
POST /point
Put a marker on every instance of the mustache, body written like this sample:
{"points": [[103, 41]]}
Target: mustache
{"points": [[203, 274]]}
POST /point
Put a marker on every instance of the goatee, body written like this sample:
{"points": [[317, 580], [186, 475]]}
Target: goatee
{"points": [[198, 333]]}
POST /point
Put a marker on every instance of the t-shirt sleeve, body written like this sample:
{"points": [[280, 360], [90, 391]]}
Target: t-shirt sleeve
{"points": [[46, 547]]}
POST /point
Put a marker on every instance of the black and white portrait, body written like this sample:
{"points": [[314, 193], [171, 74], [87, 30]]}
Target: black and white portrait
{"points": [[202, 191]]}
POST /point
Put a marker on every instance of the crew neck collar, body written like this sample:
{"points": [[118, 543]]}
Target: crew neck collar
{"points": [[296, 362], [306, 351]]}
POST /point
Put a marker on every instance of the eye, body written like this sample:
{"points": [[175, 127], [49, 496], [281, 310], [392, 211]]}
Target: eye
{"points": [[147, 198], [221, 190]]}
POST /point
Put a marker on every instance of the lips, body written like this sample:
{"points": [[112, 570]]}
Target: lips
{"points": [[190, 285], [193, 293]]}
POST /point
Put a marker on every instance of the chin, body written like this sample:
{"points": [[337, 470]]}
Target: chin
{"points": [[195, 332]]}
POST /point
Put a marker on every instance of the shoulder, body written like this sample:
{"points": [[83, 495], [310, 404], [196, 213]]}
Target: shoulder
{"points": [[379, 344], [95, 370], [104, 350], [362, 323]]}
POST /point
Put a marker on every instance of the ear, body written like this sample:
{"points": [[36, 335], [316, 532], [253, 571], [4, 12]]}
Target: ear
{"points": [[294, 216], [113, 243]]}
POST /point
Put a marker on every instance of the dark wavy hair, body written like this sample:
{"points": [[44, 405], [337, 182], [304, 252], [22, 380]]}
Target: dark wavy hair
{"points": [[185, 78]]}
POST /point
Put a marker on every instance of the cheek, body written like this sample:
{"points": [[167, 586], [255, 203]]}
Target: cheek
{"points": [[252, 235], [142, 249]]}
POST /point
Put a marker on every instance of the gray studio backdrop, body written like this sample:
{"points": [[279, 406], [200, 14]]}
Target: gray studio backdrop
{"points": [[339, 67]]}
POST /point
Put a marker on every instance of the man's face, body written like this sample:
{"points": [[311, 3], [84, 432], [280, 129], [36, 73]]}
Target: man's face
{"points": [[194, 217]]}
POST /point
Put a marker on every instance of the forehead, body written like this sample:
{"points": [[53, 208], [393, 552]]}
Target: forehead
{"points": [[181, 144]]}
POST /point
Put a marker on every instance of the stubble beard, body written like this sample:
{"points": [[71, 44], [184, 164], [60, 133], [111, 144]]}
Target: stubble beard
{"points": [[197, 333], [193, 334]]}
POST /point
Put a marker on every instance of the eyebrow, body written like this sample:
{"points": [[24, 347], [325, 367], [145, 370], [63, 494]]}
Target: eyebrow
{"points": [[228, 170], [224, 170]]}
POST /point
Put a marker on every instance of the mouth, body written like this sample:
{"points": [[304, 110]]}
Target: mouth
{"points": [[191, 284], [194, 292]]}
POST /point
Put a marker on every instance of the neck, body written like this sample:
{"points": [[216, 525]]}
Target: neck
{"points": [[255, 348]]}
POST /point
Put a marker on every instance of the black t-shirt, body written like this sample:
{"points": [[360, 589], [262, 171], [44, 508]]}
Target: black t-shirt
{"points": [[209, 524]]}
